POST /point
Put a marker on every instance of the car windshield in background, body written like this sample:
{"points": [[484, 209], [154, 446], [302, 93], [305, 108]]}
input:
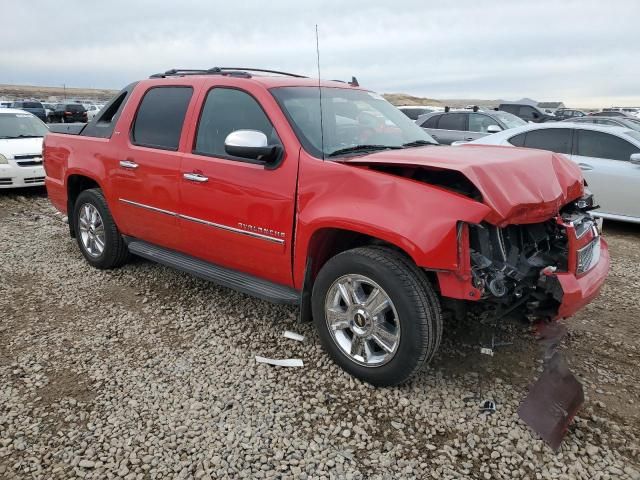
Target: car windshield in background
{"points": [[31, 105], [509, 119], [21, 125], [633, 134], [75, 108], [353, 121]]}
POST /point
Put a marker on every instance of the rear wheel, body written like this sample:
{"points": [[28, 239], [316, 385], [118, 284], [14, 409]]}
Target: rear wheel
{"points": [[376, 314], [98, 236]]}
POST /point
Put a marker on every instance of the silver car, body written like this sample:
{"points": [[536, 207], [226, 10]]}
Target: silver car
{"points": [[608, 156], [466, 125], [632, 123]]}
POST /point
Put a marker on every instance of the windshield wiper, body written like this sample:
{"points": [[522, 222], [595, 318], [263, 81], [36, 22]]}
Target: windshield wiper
{"points": [[361, 148], [418, 143]]}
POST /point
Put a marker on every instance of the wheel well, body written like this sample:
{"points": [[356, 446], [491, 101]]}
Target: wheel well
{"points": [[329, 242], [76, 184]]}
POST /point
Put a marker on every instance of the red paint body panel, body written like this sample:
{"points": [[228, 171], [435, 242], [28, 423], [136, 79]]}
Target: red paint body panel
{"points": [[579, 291], [520, 185], [305, 196]]}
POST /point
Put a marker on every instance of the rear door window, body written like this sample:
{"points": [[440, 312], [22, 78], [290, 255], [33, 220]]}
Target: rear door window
{"points": [[518, 140], [453, 121], [604, 145], [510, 108], [553, 139], [160, 117]]}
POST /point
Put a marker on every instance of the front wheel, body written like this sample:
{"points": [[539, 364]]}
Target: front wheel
{"points": [[98, 236], [376, 314]]}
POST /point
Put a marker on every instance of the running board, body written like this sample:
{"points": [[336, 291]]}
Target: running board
{"points": [[239, 281]]}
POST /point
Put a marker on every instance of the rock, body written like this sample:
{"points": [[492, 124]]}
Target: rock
{"points": [[86, 463]]}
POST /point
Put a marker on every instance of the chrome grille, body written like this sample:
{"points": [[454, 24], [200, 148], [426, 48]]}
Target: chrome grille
{"points": [[6, 181], [34, 160], [588, 256]]}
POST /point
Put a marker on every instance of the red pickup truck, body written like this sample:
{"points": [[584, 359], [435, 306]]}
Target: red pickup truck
{"points": [[323, 195]]}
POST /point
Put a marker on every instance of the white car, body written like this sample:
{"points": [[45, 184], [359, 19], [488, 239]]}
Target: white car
{"points": [[21, 135], [92, 111], [609, 157]]}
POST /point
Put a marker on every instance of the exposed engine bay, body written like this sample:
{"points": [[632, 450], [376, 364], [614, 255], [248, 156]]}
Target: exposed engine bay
{"points": [[512, 267]]}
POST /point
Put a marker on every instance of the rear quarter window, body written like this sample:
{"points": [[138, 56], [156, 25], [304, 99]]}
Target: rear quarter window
{"points": [[160, 117], [518, 140]]}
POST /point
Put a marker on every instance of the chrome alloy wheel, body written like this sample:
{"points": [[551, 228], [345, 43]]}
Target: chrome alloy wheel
{"points": [[362, 320], [91, 230]]}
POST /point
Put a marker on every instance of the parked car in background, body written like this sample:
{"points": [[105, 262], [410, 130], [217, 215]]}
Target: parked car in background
{"points": [[68, 113], [5, 104], [609, 157], [526, 112], [32, 107], [21, 136], [92, 110], [413, 112], [612, 113], [631, 123], [568, 113], [366, 225], [465, 125]]}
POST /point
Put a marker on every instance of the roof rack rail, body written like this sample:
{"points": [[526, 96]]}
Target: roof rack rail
{"points": [[231, 71]]}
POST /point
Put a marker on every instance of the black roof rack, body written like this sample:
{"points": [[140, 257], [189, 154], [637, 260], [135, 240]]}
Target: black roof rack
{"points": [[229, 71]]}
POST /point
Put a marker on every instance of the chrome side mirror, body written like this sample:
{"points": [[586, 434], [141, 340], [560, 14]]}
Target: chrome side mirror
{"points": [[635, 158], [252, 144], [493, 129]]}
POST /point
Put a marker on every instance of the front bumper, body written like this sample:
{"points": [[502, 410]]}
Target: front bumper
{"points": [[579, 291], [13, 176]]}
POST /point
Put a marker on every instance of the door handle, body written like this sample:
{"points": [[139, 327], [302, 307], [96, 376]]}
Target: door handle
{"points": [[469, 139], [128, 164], [195, 177], [585, 166]]}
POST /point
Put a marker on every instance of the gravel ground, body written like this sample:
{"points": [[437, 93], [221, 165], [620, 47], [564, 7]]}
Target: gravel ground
{"points": [[144, 372]]}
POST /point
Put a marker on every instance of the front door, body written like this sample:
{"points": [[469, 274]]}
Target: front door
{"points": [[613, 179], [234, 211], [145, 177]]}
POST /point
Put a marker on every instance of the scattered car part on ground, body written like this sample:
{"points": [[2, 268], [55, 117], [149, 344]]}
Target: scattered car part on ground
{"points": [[609, 157], [287, 362], [375, 278], [293, 336]]}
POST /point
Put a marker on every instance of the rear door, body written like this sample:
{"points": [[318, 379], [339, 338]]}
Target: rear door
{"points": [[613, 179], [145, 174], [451, 127], [235, 212]]}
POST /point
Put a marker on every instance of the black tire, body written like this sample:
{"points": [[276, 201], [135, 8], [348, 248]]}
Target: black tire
{"points": [[413, 297], [115, 251]]}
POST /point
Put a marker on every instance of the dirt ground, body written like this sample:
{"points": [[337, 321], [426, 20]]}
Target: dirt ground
{"points": [[144, 372]]}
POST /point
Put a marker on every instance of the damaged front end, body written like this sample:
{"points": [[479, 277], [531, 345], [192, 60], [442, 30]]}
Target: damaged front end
{"points": [[514, 269]]}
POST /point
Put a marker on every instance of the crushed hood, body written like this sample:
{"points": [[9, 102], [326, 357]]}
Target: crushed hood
{"points": [[520, 185]]}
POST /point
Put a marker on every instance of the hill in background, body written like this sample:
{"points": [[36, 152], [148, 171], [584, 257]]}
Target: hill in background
{"points": [[10, 92]]}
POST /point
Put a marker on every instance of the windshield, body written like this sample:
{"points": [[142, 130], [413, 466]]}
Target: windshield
{"points": [[21, 125], [509, 120], [353, 121]]}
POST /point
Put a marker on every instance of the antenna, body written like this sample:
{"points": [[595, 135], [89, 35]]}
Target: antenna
{"points": [[320, 93]]}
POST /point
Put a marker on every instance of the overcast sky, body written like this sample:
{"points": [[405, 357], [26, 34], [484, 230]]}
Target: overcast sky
{"points": [[585, 53]]}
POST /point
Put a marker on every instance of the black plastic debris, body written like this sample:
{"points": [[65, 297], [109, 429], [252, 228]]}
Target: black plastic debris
{"points": [[552, 401], [488, 406]]}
